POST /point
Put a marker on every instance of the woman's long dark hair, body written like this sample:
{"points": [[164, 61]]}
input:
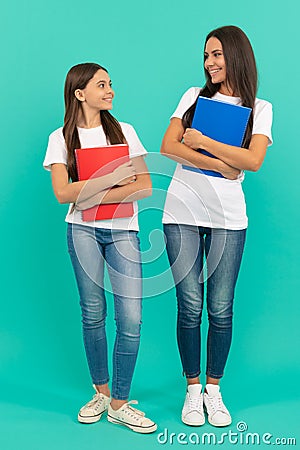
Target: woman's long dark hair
{"points": [[77, 78], [241, 73]]}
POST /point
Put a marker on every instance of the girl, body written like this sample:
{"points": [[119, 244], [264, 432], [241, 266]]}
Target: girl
{"points": [[207, 215], [88, 123]]}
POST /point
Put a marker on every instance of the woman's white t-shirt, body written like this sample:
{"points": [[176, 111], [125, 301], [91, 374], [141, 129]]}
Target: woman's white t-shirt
{"points": [[197, 199], [94, 137]]}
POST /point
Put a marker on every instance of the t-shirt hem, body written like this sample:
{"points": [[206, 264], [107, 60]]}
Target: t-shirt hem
{"points": [[207, 225], [106, 226]]}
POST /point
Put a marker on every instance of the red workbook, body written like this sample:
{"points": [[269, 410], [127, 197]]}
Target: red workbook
{"points": [[96, 162]]}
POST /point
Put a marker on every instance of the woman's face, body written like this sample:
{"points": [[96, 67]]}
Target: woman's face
{"points": [[98, 93], [214, 61]]}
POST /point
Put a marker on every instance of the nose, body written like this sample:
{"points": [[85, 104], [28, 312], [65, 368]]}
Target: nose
{"points": [[110, 90], [209, 61]]}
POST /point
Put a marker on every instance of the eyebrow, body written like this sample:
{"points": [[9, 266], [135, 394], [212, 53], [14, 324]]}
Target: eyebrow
{"points": [[103, 81], [213, 51]]}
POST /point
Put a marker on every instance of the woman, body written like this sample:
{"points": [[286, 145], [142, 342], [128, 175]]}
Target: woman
{"points": [[88, 123], [207, 215]]}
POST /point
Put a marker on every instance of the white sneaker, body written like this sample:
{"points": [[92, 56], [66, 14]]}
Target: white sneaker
{"points": [[93, 410], [192, 411], [218, 414], [132, 418]]}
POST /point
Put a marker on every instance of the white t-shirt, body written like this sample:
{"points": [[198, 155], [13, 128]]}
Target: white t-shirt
{"points": [[197, 199], [95, 137]]}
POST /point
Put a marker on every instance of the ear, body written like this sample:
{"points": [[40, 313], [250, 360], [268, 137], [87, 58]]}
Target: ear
{"points": [[79, 95]]}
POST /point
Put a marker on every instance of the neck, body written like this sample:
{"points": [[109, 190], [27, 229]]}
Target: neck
{"points": [[225, 89], [88, 119]]}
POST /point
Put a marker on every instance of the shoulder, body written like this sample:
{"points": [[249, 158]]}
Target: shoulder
{"points": [[263, 111], [126, 127], [128, 130], [191, 93], [136, 148], [56, 149], [261, 104], [57, 135], [187, 100]]}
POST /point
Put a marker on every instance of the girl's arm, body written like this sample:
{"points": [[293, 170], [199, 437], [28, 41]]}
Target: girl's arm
{"points": [[135, 190], [67, 192], [243, 158], [184, 154]]}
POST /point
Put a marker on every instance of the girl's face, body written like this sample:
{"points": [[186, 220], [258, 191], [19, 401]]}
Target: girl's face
{"points": [[98, 93], [214, 61]]}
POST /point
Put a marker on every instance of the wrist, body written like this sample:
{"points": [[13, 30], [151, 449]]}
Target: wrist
{"points": [[205, 142], [219, 165]]}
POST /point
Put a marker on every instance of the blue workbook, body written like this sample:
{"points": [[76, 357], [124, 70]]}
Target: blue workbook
{"points": [[221, 121]]}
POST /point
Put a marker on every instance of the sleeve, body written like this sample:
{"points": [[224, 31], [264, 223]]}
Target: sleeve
{"points": [[188, 98], [263, 117], [56, 150], [136, 148]]}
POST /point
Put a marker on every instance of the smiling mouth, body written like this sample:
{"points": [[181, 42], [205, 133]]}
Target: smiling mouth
{"points": [[213, 72]]}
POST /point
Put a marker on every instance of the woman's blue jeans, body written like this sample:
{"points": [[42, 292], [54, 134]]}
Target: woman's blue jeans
{"points": [[186, 246], [90, 248]]}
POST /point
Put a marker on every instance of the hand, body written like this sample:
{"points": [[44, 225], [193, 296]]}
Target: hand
{"points": [[124, 174], [229, 172], [193, 138]]}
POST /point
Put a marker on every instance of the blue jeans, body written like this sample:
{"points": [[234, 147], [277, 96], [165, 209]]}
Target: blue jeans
{"points": [[89, 249], [186, 246]]}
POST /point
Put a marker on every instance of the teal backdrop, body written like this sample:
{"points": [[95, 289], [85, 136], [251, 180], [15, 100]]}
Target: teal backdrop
{"points": [[153, 51]]}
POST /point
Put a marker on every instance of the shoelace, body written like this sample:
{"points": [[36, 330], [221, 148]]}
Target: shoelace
{"points": [[97, 400], [133, 412], [195, 402], [216, 403]]}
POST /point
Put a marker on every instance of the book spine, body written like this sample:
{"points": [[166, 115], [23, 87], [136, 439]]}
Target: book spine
{"points": [[77, 166], [244, 132]]}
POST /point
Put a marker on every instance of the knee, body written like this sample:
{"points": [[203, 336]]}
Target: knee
{"points": [[221, 317], [130, 326], [93, 316], [190, 313]]}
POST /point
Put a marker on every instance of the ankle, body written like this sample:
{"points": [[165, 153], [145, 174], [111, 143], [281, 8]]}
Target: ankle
{"points": [[210, 380], [103, 389], [191, 381], [117, 404]]}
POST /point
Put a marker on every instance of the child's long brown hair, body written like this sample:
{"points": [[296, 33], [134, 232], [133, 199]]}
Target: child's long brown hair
{"points": [[77, 78]]}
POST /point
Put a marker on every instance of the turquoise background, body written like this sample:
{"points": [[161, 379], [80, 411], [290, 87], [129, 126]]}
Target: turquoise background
{"points": [[154, 53]]}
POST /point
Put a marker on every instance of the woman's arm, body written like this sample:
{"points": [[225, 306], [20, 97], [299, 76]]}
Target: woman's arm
{"points": [[184, 154], [243, 158], [66, 192], [135, 190]]}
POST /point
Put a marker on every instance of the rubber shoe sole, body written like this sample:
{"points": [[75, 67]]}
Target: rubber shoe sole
{"points": [[89, 419], [136, 429]]}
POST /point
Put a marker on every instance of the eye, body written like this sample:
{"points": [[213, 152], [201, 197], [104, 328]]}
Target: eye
{"points": [[101, 85]]}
